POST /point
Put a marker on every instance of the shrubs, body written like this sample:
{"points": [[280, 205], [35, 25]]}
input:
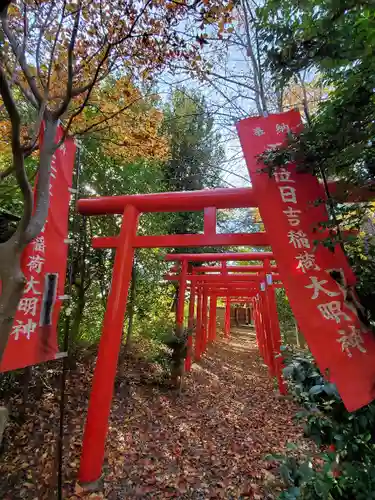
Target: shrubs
{"points": [[344, 467]]}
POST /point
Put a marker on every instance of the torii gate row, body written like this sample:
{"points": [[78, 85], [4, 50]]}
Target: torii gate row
{"points": [[131, 207], [223, 270], [217, 278], [185, 259], [204, 282], [219, 257], [229, 269], [209, 285], [205, 331], [268, 341]]}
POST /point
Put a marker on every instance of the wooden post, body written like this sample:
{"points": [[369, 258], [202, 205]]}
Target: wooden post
{"points": [[275, 328], [198, 329], [204, 320], [109, 347], [227, 318], [188, 360]]}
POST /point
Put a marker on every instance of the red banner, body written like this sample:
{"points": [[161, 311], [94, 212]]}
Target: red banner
{"points": [[33, 338], [342, 347]]}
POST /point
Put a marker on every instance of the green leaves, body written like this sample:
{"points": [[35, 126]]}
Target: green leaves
{"points": [[316, 389], [332, 43], [344, 466]]}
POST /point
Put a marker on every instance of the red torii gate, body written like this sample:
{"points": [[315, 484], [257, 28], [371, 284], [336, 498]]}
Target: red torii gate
{"points": [[209, 288], [267, 268], [131, 206], [262, 278]]}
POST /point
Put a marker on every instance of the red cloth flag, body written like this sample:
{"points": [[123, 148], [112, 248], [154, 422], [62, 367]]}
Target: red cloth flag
{"points": [[343, 349], [33, 337]]}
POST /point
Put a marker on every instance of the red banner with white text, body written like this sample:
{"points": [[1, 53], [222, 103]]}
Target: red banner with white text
{"points": [[340, 343], [33, 338]]}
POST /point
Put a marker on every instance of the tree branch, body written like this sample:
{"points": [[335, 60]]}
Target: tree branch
{"points": [[107, 118], [250, 52], [229, 101], [93, 82], [96, 78], [230, 80], [260, 76], [42, 189], [5, 173], [54, 46], [31, 146], [305, 101], [18, 158], [13, 78], [27, 93], [21, 58], [37, 53], [69, 85]]}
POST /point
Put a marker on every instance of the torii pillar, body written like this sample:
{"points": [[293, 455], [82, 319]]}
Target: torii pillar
{"points": [[212, 320], [227, 318], [109, 347], [198, 328], [188, 360]]}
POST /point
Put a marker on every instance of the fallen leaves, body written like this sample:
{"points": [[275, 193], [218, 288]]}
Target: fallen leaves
{"points": [[80, 493], [208, 443]]}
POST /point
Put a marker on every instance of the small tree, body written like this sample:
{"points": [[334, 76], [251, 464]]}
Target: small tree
{"points": [[53, 57]]}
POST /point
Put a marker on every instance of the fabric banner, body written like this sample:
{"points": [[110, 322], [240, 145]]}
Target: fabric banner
{"points": [[342, 346], [33, 338]]}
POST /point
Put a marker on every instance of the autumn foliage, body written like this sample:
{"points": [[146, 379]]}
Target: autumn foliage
{"points": [[126, 122], [85, 62]]}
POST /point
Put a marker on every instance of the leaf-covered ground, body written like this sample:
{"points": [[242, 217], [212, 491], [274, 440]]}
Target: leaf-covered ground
{"points": [[210, 442]]}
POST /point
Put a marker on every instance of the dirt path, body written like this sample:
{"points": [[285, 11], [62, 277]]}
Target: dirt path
{"points": [[208, 443]]}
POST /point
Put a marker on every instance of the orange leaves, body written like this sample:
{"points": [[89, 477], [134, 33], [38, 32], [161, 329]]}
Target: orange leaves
{"points": [[126, 122], [310, 94], [102, 38], [209, 443]]}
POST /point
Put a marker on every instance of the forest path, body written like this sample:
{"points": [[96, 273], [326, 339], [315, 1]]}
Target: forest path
{"points": [[208, 443]]}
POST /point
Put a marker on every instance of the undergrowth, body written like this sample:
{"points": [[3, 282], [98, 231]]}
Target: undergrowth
{"points": [[344, 465]]}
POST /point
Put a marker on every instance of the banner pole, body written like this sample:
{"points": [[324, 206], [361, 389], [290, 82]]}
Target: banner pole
{"points": [[66, 340]]}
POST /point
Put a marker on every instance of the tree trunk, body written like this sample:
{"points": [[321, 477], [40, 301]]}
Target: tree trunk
{"points": [[78, 315], [80, 267], [174, 299], [12, 285], [131, 307]]}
